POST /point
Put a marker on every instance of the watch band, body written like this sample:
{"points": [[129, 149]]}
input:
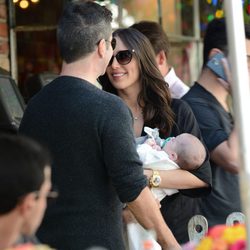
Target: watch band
{"points": [[155, 179]]}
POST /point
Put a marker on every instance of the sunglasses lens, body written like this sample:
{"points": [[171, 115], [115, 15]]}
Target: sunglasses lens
{"points": [[113, 43], [124, 57]]}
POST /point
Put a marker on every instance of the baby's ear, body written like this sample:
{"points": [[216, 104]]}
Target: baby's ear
{"points": [[173, 156]]}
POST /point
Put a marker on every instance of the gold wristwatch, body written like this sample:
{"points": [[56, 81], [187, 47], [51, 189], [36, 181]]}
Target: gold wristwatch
{"points": [[155, 180]]}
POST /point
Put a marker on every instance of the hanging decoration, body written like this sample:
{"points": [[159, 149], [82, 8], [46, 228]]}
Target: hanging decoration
{"points": [[24, 4], [211, 9], [218, 10], [246, 12], [247, 7]]}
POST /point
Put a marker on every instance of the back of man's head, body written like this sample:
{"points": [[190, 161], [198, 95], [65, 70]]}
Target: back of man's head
{"points": [[156, 35], [215, 37], [82, 25], [22, 164], [247, 31]]}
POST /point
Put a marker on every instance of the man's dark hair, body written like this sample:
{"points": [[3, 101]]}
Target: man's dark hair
{"points": [[247, 31], [82, 25], [22, 164], [215, 37], [156, 35]]}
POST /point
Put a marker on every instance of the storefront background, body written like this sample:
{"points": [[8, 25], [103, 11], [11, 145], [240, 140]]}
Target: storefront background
{"points": [[33, 40]]}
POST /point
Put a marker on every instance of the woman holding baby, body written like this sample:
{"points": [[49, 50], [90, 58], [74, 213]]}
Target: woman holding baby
{"points": [[132, 74]]}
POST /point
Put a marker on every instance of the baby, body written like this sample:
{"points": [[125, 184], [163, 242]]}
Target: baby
{"points": [[184, 151]]}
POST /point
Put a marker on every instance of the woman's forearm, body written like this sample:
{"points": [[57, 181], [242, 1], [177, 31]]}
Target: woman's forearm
{"points": [[178, 179]]}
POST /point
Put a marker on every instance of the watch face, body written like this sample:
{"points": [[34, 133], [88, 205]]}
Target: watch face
{"points": [[156, 180]]}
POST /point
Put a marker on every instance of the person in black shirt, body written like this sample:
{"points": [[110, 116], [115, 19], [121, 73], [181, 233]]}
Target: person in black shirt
{"points": [[208, 100]]}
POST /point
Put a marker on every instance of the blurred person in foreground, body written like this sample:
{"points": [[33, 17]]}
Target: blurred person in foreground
{"points": [[25, 187]]}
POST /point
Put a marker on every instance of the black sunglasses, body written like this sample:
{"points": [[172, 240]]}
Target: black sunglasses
{"points": [[123, 57]]}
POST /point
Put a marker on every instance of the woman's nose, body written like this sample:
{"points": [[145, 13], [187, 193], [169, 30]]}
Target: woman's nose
{"points": [[114, 63]]}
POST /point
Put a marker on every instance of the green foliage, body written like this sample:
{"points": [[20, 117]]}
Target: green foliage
{"points": [[246, 14]]}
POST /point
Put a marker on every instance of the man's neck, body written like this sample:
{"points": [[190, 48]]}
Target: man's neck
{"points": [[210, 82], [9, 230], [83, 69], [165, 70]]}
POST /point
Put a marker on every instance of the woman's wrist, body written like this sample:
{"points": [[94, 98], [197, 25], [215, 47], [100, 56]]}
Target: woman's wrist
{"points": [[154, 178], [148, 173]]}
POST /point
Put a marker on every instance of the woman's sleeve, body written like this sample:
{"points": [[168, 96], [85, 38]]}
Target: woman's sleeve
{"points": [[186, 123]]}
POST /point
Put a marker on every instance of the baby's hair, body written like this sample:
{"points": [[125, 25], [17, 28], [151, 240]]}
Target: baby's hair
{"points": [[191, 152]]}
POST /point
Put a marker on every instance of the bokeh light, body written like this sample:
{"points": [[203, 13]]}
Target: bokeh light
{"points": [[24, 4]]}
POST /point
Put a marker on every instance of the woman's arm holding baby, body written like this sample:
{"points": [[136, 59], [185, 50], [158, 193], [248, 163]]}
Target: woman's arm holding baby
{"points": [[178, 179]]}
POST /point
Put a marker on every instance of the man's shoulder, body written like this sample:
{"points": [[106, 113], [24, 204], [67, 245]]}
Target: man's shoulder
{"points": [[178, 105], [81, 89], [196, 94], [71, 93], [106, 103], [110, 101]]}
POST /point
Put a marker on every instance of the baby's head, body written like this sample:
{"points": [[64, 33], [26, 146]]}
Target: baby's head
{"points": [[186, 150]]}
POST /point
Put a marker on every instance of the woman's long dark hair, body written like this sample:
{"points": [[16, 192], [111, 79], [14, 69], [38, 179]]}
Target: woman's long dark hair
{"points": [[154, 97]]}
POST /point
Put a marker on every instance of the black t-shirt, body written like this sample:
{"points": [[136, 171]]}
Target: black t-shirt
{"points": [[177, 209], [215, 124]]}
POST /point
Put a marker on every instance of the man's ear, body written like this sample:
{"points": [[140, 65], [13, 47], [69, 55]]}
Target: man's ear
{"points": [[161, 58], [27, 203], [101, 48]]}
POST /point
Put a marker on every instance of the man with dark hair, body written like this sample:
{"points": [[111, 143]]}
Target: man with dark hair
{"points": [[215, 38], [86, 129], [25, 186], [208, 99], [161, 45]]}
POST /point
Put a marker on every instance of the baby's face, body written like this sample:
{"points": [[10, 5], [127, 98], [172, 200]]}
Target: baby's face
{"points": [[172, 144]]}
